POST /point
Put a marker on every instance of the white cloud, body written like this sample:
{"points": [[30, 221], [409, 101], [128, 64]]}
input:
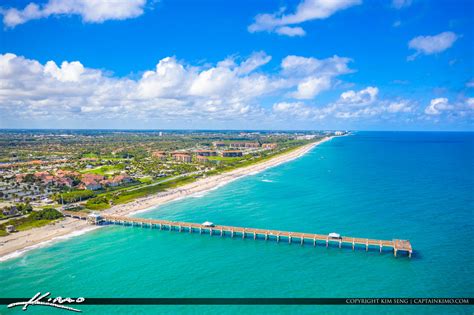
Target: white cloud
{"points": [[91, 11], [438, 105], [313, 75], [470, 103], [429, 45], [69, 72], [168, 80], [302, 66], [470, 83], [255, 61], [212, 82], [351, 105], [295, 109], [290, 31], [399, 4], [306, 10], [359, 98], [234, 89], [311, 87], [172, 90], [402, 106], [462, 107]]}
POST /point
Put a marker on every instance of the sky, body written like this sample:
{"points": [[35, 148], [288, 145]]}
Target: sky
{"points": [[245, 64]]}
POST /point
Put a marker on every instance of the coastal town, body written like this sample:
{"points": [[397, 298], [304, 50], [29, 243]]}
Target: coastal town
{"points": [[96, 170]]}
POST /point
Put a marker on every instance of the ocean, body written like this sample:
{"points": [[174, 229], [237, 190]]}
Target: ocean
{"points": [[383, 185]]}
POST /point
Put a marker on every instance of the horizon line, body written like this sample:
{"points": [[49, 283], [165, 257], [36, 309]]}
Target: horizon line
{"points": [[210, 130]]}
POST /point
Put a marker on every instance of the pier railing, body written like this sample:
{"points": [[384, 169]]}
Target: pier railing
{"points": [[396, 245]]}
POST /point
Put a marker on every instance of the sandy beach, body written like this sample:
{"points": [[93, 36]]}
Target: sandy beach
{"points": [[18, 243]]}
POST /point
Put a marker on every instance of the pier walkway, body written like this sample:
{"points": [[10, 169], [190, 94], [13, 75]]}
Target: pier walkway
{"points": [[233, 231]]}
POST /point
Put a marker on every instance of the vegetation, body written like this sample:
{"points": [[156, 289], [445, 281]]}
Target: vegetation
{"points": [[21, 208], [75, 196], [24, 208], [35, 219], [98, 203], [105, 170], [46, 214], [129, 195]]}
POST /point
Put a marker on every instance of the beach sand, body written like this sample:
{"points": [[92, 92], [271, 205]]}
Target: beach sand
{"points": [[18, 243]]}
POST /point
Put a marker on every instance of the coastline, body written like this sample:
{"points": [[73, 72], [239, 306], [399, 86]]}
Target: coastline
{"points": [[16, 244]]}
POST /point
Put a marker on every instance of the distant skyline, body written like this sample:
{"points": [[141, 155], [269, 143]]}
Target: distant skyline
{"points": [[245, 65]]}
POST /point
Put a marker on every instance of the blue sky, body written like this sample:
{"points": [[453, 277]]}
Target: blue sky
{"points": [[307, 64]]}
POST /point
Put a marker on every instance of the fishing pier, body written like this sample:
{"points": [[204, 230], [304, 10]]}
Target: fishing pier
{"points": [[396, 245]]}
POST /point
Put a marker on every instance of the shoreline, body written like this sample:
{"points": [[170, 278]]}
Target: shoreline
{"points": [[16, 244]]}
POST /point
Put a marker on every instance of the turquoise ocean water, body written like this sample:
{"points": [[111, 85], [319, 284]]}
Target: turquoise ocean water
{"points": [[416, 186]]}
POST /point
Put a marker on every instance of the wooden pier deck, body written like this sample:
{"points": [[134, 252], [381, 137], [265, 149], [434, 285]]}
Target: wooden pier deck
{"points": [[233, 231]]}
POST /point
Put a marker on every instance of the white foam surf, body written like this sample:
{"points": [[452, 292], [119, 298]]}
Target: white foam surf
{"points": [[46, 243]]}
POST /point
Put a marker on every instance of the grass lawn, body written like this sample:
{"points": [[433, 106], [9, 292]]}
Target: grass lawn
{"points": [[146, 180], [104, 170], [225, 159], [98, 206], [127, 196], [33, 224]]}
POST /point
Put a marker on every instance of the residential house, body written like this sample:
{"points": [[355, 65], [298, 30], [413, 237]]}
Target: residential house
{"points": [[118, 180], [253, 145], [8, 211], [202, 159], [218, 144], [19, 177], [269, 146], [159, 155], [63, 181], [91, 181], [44, 177], [182, 157], [206, 153], [245, 145], [231, 153], [66, 173]]}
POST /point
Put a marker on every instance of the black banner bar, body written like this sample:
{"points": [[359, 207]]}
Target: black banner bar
{"points": [[260, 301]]}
